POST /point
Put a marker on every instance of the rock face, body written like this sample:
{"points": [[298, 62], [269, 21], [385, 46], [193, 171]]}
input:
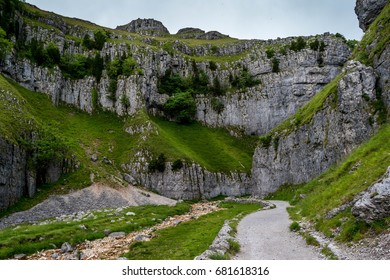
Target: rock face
{"points": [[190, 182], [368, 10], [17, 179], [13, 175], [375, 202], [196, 33], [345, 121], [149, 27]]}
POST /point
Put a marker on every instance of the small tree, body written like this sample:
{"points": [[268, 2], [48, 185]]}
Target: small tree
{"points": [[181, 107]]}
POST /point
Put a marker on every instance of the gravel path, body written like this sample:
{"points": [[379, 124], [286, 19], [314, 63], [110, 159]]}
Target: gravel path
{"points": [[265, 235]]}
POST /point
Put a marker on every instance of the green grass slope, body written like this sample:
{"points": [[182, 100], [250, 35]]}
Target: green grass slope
{"points": [[103, 134]]}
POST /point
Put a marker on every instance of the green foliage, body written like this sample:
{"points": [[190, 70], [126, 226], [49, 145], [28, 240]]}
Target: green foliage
{"points": [[214, 149], [213, 66], [315, 45], [217, 256], [266, 140], [5, 44], [177, 165], [123, 65], [125, 102], [298, 44], [270, 52], [95, 99], [129, 66], [244, 80], [294, 226], [8, 23], [74, 66], [157, 164], [310, 240], [375, 39], [181, 107], [112, 88], [217, 89], [352, 44], [339, 185], [28, 239], [275, 65], [100, 38], [188, 240], [340, 36], [217, 105], [53, 54], [172, 83], [234, 247]]}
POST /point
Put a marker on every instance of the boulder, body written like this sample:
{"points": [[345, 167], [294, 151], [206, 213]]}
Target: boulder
{"points": [[375, 202]]}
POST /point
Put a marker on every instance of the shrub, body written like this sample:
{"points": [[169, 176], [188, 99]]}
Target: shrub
{"points": [[53, 55], [217, 88], [157, 164], [180, 107], [125, 102], [112, 88], [234, 246], [295, 226], [265, 140], [298, 44], [213, 66], [97, 43], [128, 66], [275, 65], [177, 165], [217, 105], [5, 45], [172, 83], [270, 53], [244, 80]]}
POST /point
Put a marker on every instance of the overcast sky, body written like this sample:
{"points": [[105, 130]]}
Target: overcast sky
{"points": [[244, 19]]}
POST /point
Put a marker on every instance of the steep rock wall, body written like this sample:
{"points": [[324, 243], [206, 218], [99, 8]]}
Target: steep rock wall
{"points": [[368, 10], [190, 182], [254, 110], [345, 121]]}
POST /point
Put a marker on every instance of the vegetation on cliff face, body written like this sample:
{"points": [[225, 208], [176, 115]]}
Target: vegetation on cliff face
{"points": [[335, 188], [375, 39]]}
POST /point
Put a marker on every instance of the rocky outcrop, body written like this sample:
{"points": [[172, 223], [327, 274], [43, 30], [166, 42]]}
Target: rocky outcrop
{"points": [[18, 178], [196, 33], [149, 27], [375, 202], [368, 10], [345, 120], [14, 178], [190, 182]]}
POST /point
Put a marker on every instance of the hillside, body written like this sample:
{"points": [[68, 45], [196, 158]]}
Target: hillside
{"points": [[197, 115]]}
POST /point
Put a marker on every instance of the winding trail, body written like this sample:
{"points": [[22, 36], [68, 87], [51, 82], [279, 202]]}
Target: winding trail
{"points": [[265, 235]]}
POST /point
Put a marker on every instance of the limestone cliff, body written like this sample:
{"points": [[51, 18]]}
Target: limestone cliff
{"points": [[294, 155], [368, 10]]}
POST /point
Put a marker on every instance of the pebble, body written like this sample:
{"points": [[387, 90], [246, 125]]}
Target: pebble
{"points": [[66, 248], [117, 234]]}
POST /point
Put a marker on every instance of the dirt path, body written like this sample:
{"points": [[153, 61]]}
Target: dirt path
{"points": [[265, 235], [111, 248]]}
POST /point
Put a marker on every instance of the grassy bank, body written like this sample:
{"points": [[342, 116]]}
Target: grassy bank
{"points": [[28, 239], [339, 185], [190, 239]]}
